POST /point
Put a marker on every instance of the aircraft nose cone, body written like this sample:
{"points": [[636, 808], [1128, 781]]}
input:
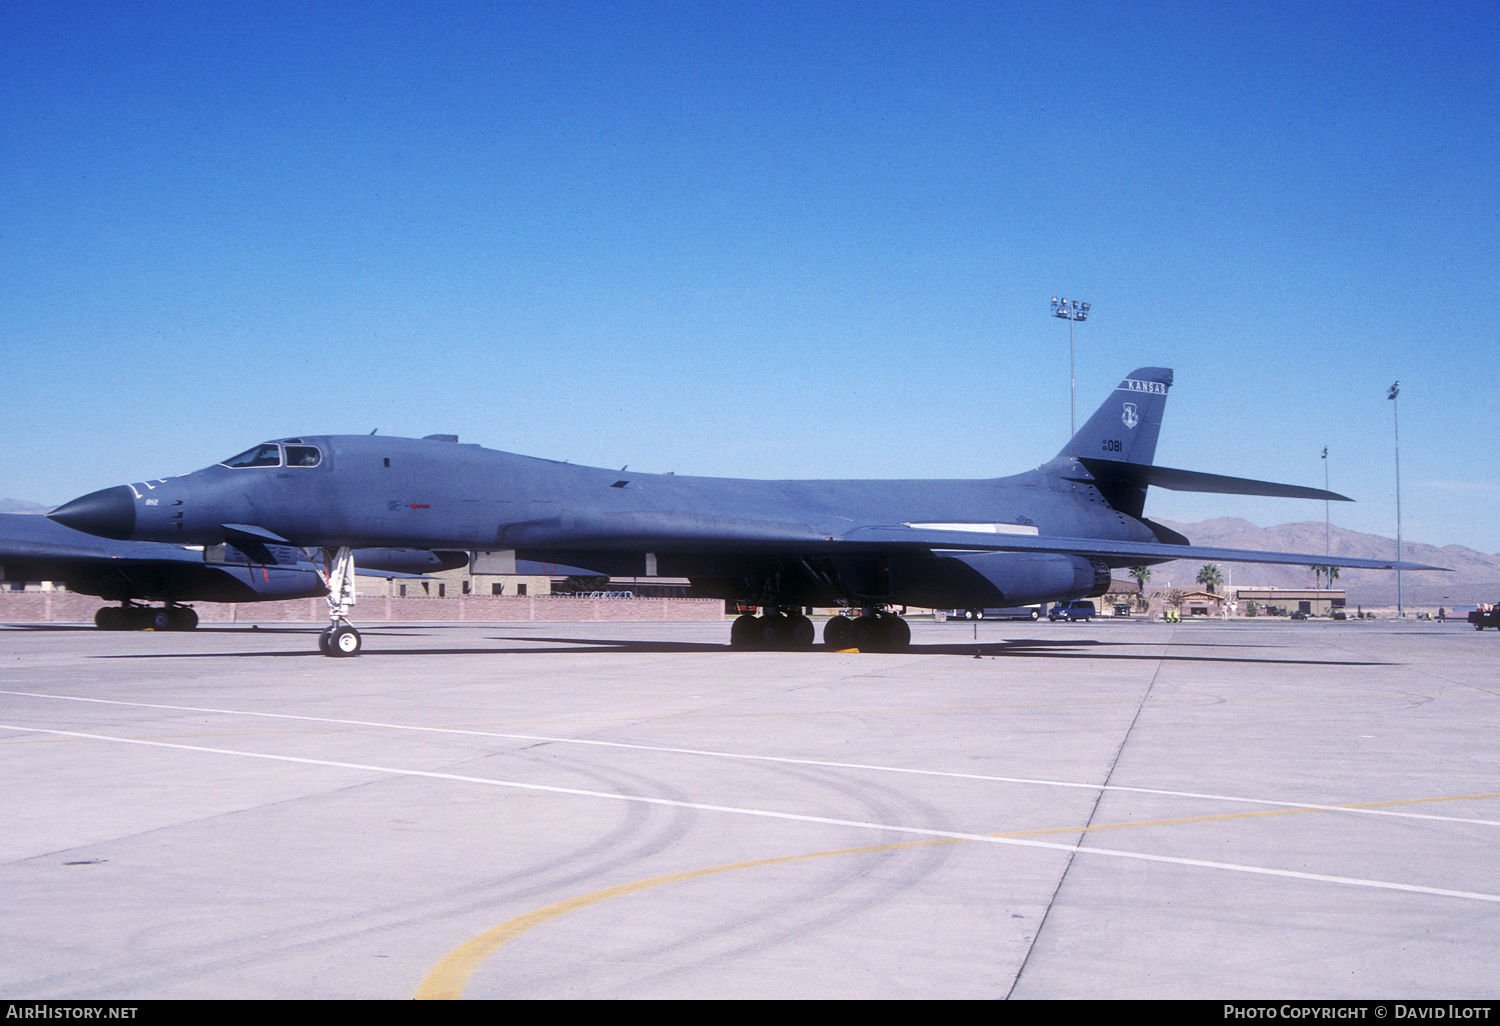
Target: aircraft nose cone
{"points": [[108, 513]]}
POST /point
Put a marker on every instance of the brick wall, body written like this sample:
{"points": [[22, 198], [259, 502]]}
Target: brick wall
{"points": [[66, 607]]}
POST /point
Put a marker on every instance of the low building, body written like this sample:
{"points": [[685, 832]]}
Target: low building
{"points": [[1122, 592], [1239, 602], [1311, 601]]}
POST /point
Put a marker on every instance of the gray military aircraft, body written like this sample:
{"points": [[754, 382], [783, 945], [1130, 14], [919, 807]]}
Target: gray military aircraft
{"points": [[34, 548], [1051, 534]]}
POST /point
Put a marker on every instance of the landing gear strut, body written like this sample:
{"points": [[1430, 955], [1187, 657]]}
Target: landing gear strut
{"points": [[339, 639]]}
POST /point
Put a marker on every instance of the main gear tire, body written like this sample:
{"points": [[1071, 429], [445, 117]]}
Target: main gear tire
{"points": [[838, 632], [742, 631]]}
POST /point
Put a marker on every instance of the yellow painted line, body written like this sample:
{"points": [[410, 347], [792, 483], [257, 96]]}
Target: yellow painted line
{"points": [[1248, 815], [448, 978], [1418, 801], [946, 835]]}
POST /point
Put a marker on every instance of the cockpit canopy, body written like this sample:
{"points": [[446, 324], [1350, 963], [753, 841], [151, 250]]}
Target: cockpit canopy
{"points": [[292, 453]]}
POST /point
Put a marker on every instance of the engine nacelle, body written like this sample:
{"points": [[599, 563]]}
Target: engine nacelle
{"points": [[980, 579]]}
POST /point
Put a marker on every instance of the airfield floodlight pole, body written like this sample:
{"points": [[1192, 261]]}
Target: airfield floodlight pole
{"points": [[1327, 546], [1071, 310], [1396, 421]]}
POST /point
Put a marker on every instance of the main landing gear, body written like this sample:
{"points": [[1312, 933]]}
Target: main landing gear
{"points": [[877, 630], [778, 629], [130, 617], [874, 630], [339, 639]]}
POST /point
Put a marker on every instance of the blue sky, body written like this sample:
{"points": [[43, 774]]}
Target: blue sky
{"points": [[759, 239]]}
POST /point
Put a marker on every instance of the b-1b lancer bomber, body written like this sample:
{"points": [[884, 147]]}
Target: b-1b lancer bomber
{"points": [[1052, 534]]}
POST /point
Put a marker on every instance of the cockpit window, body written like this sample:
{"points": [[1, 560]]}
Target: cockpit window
{"points": [[303, 456], [260, 456]]}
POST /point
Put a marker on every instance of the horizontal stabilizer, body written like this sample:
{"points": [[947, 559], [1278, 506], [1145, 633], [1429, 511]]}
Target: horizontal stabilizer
{"points": [[1143, 474]]}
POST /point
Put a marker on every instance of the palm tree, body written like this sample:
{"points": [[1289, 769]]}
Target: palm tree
{"points": [[1209, 576], [1321, 570], [1142, 574]]}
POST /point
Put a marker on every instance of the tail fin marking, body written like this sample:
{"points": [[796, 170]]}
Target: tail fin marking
{"points": [[1126, 426]]}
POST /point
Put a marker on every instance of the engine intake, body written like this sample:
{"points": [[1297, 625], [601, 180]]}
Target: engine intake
{"points": [[1102, 577]]}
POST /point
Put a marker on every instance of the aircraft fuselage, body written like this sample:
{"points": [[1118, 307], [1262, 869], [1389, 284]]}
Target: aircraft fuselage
{"points": [[414, 493]]}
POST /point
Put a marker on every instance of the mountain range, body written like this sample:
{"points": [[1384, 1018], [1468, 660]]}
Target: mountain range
{"points": [[1474, 576]]}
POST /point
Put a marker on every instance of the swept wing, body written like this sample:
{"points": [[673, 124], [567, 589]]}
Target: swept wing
{"points": [[1125, 552]]}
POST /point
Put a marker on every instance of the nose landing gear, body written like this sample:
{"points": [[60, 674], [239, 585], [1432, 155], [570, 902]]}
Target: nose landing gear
{"points": [[337, 571]]}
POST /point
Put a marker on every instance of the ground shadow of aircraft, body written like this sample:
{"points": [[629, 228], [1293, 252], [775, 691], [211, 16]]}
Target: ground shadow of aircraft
{"points": [[34, 548], [1052, 534], [531, 646]]}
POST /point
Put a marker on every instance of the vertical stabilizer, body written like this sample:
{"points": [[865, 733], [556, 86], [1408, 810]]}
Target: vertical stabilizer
{"points": [[1125, 428]]}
